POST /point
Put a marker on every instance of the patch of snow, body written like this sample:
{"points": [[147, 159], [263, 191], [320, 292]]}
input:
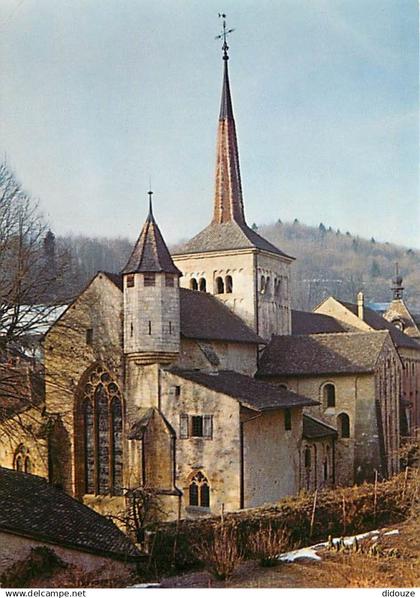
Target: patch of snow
{"points": [[145, 585], [301, 553], [310, 551]]}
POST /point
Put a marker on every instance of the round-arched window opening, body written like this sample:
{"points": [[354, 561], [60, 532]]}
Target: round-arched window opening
{"points": [[262, 285], [328, 395], [228, 284], [220, 286], [193, 284], [202, 285], [398, 324], [307, 457], [343, 425]]}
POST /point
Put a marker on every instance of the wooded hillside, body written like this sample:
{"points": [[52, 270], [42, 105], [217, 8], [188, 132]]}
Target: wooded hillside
{"points": [[328, 262]]}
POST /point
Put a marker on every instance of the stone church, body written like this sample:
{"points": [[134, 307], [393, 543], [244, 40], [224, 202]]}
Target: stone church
{"points": [[183, 374]]}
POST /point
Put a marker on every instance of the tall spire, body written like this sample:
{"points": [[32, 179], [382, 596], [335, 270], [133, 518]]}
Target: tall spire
{"points": [[228, 202]]}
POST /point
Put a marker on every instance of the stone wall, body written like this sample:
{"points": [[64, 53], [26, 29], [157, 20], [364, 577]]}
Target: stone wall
{"points": [[20, 436], [151, 315], [70, 350], [15, 548], [316, 464], [271, 457], [266, 310], [218, 457], [239, 357], [347, 389], [239, 264], [274, 312]]}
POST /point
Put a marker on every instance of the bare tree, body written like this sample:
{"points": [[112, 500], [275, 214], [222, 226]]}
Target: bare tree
{"points": [[28, 273], [31, 271]]}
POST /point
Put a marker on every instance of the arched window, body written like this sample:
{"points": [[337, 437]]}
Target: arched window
{"points": [[267, 285], [228, 284], [101, 421], [193, 284], [262, 285], [328, 395], [220, 286], [343, 424], [277, 287], [199, 491], [307, 457], [22, 460], [202, 285]]}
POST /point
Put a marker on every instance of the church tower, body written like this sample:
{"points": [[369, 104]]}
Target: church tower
{"points": [[151, 298], [229, 259], [398, 312]]}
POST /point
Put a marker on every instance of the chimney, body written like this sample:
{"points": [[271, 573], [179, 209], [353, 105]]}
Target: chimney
{"points": [[360, 305]]}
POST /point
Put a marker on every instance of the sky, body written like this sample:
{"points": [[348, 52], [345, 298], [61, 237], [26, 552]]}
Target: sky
{"points": [[97, 97]]}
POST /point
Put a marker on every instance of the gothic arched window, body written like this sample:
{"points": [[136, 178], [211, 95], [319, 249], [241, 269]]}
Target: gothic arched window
{"points": [[101, 421], [22, 460], [199, 491]]}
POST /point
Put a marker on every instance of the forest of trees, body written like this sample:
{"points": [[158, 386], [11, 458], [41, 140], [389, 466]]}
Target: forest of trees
{"points": [[328, 262]]}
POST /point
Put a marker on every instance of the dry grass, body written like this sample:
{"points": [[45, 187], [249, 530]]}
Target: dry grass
{"points": [[220, 553], [267, 543]]}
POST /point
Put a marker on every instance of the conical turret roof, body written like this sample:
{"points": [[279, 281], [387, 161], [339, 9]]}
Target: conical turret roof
{"points": [[150, 253]]}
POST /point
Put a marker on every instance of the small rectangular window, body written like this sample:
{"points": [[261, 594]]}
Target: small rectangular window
{"points": [[287, 419], [183, 424], [175, 392], [130, 280], [170, 327], [149, 280], [89, 336], [169, 280], [150, 327], [208, 426], [197, 426]]}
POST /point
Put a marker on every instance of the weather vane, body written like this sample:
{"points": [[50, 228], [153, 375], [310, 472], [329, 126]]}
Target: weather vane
{"points": [[150, 194], [223, 35]]}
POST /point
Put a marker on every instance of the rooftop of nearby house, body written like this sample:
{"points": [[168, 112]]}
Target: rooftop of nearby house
{"points": [[251, 393], [32, 508], [316, 354], [314, 428], [304, 322]]}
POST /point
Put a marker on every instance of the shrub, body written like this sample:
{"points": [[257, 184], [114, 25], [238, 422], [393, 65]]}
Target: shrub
{"points": [[220, 553], [267, 543]]}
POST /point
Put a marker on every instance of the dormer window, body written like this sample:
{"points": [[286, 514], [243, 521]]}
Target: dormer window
{"points": [[149, 280], [130, 281]]}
